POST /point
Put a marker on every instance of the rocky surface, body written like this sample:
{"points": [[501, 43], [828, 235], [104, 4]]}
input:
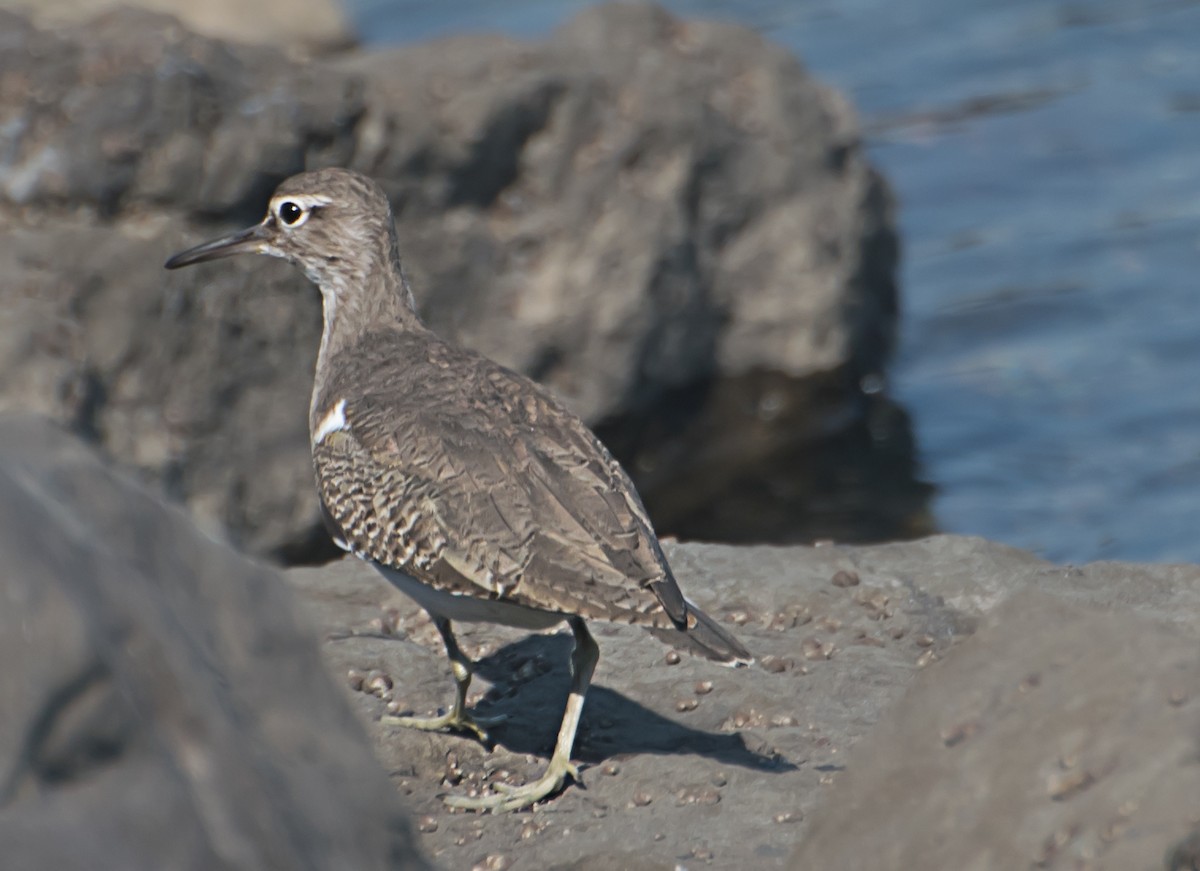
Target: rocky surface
{"points": [[1057, 737], [162, 702], [669, 222], [946, 703]]}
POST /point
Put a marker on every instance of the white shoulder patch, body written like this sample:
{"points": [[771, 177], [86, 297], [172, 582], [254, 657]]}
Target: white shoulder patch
{"points": [[333, 421]]}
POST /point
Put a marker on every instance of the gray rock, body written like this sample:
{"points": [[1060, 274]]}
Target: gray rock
{"points": [[665, 221], [949, 686], [652, 199], [1059, 736], [162, 703]]}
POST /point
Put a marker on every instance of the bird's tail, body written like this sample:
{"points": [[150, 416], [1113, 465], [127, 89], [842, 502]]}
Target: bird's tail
{"points": [[705, 637]]}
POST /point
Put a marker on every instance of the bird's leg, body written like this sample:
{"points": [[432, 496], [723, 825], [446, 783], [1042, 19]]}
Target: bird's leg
{"points": [[457, 719], [511, 798]]}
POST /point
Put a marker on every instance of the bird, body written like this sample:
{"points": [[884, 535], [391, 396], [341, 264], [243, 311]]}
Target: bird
{"points": [[468, 486]]}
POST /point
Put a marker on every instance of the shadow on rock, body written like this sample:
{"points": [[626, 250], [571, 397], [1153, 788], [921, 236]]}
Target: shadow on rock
{"points": [[612, 725]]}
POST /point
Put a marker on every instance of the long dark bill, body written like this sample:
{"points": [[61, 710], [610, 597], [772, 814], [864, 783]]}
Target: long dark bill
{"points": [[248, 241]]}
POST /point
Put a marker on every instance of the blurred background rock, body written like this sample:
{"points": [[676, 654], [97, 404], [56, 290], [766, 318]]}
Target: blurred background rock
{"points": [[670, 223]]}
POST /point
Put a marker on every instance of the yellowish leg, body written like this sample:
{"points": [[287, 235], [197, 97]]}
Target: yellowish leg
{"points": [[457, 719], [511, 798]]}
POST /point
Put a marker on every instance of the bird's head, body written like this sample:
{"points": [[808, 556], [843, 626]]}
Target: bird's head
{"points": [[334, 224]]}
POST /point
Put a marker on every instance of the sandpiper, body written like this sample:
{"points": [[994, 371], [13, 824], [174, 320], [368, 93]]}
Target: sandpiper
{"points": [[468, 486]]}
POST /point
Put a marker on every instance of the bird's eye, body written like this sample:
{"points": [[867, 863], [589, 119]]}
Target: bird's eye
{"points": [[290, 213]]}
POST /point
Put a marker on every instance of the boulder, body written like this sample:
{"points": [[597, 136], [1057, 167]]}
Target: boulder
{"points": [[163, 704], [670, 223], [1059, 736], [649, 200]]}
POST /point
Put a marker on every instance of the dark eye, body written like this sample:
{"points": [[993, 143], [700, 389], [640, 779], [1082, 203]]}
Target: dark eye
{"points": [[290, 213]]}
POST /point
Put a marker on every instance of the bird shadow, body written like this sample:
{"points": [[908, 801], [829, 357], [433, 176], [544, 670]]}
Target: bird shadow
{"points": [[530, 677]]}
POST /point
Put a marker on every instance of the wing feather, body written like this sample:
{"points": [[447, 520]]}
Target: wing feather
{"points": [[476, 481]]}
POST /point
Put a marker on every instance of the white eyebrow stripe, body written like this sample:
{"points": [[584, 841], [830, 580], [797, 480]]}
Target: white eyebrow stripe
{"points": [[333, 421], [304, 201]]}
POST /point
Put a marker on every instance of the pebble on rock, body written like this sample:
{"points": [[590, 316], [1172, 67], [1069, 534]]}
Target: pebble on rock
{"points": [[960, 732], [1061, 787], [774, 664], [493, 862], [377, 682], [845, 579], [829, 624], [532, 829], [814, 649], [704, 795]]}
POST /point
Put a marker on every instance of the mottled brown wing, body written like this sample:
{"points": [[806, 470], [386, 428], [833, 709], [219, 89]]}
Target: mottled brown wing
{"points": [[481, 484]]}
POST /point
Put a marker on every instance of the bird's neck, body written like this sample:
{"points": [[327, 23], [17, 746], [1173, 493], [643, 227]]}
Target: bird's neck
{"points": [[355, 303]]}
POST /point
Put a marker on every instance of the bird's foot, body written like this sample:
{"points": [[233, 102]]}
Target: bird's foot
{"points": [[456, 721], [513, 798]]}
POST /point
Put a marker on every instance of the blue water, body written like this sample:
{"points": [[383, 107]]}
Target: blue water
{"points": [[1046, 156]]}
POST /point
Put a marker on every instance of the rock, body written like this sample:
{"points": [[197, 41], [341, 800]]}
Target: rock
{"points": [[296, 25], [652, 199], [668, 222], [1059, 736], [162, 706], [878, 710], [660, 782], [162, 701]]}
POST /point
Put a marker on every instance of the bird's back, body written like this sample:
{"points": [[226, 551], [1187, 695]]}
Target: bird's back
{"points": [[476, 481], [499, 483]]}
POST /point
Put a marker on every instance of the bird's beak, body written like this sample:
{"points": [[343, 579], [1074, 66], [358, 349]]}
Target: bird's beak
{"points": [[252, 240]]}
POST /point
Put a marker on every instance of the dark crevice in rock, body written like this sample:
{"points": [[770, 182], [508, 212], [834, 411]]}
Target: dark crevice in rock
{"points": [[765, 457], [494, 161], [82, 725], [313, 547], [875, 278], [83, 397]]}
